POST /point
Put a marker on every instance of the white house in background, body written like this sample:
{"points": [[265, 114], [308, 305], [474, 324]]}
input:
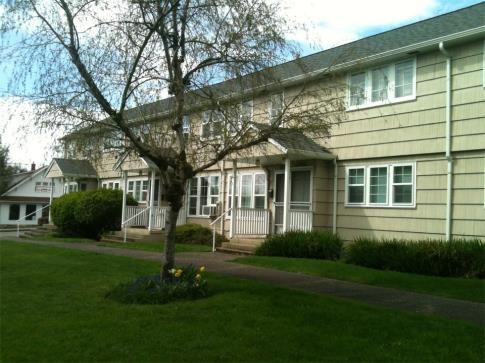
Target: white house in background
{"points": [[27, 193]]}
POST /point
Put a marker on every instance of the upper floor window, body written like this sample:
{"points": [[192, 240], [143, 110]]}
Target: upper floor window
{"points": [[185, 125], [113, 140], [212, 123], [380, 185], [276, 107], [43, 187], [385, 84]]}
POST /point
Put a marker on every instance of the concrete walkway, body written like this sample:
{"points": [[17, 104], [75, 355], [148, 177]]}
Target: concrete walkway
{"points": [[470, 312]]}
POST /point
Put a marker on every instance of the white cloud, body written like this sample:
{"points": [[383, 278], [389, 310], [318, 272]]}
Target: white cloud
{"points": [[331, 23], [26, 144]]}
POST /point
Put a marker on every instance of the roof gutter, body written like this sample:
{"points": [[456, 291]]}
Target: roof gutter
{"points": [[449, 158]]}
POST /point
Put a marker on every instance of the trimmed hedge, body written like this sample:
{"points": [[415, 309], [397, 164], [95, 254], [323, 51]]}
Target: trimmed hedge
{"points": [[195, 234], [316, 244], [88, 214], [458, 258]]}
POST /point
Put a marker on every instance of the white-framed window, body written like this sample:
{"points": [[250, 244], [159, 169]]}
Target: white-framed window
{"points": [[395, 82], [244, 117], [378, 185], [138, 189], [113, 140], [384, 185], [186, 125], [356, 185], [70, 187], [483, 63], [212, 124], [276, 104], [43, 187], [110, 185], [250, 191], [203, 190]]}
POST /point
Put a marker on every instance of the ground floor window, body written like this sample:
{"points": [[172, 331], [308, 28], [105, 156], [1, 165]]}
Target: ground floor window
{"points": [[390, 185], [30, 208], [14, 212], [138, 189], [250, 191], [110, 185], [203, 194]]}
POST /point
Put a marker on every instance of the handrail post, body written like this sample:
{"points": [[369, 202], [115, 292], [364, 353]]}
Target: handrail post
{"points": [[214, 238]]}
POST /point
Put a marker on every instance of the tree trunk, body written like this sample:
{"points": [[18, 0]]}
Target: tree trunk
{"points": [[168, 259]]}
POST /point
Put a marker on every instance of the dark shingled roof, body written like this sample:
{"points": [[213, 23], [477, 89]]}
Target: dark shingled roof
{"points": [[406, 36], [295, 140], [73, 167]]}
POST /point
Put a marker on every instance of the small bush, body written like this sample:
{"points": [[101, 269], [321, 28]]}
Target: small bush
{"points": [[88, 214], [183, 284], [196, 234], [458, 258], [315, 244]]}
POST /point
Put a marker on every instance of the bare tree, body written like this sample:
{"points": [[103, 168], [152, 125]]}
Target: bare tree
{"points": [[97, 67]]}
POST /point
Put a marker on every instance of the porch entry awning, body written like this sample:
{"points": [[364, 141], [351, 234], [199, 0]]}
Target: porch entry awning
{"points": [[131, 162], [70, 168], [285, 143]]}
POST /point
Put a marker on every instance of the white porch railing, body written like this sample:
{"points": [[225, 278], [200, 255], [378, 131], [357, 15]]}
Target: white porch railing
{"points": [[300, 220], [213, 224], [251, 221], [136, 216], [159, 216]]}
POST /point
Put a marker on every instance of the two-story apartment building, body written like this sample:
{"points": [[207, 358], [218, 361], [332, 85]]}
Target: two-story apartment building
{"points": [[407, 161]]}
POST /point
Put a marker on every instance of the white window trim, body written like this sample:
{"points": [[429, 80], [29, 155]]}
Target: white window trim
{"points": [[238, 188], [134, 180], [391, 87], [347, 194], [390, 178], [207, 119], [209, 196], [483, 63], [270, 104], [367, 180], [186, 124]]}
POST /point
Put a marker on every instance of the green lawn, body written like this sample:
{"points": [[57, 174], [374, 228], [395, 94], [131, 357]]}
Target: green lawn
{"points": [[153, 246], [465, 289], [52, 308]]}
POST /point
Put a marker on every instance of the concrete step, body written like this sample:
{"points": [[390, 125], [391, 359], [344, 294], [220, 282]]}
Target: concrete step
{"points": [[245, 246]]}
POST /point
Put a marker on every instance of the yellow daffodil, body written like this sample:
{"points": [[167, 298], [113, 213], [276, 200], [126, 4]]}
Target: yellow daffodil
{"points": [[202, 268], [178, 273], [198, 277]]}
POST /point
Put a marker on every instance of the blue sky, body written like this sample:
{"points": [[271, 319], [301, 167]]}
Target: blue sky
{"points": [[328, 23]]}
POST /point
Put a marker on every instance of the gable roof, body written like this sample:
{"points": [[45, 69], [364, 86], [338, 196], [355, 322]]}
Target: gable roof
{"points": [[423, 35], [24, 177], [73, 168]]}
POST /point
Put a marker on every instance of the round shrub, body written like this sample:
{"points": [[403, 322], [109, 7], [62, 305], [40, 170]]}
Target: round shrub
{"points": [[89, 213], [196, 234], [64, 215], [182, 284], [315, 244]]}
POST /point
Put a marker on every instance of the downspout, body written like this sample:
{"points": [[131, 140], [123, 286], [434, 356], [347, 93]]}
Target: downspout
{"points": [[335, 190], [449, 159], [224, 198]]}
